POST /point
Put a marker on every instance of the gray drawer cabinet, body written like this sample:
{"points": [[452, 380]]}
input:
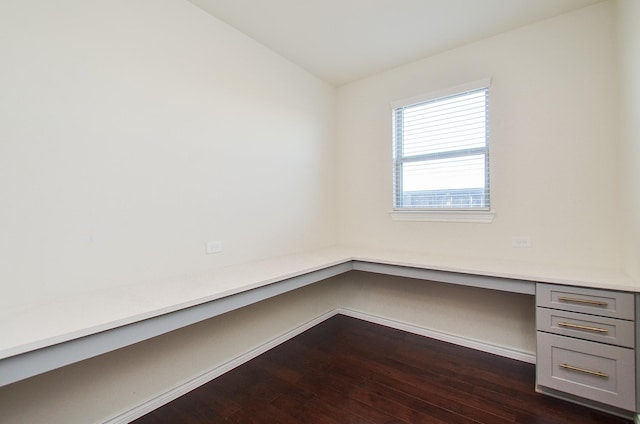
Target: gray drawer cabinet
{"points": [[586, 344]]}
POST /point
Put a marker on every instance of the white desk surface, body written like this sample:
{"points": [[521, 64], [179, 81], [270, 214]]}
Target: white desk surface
{"points": [[25, 328]]}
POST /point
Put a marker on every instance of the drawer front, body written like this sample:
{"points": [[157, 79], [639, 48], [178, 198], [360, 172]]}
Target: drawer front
{"points": [[589, 301], [589, 327], [590, 370]]}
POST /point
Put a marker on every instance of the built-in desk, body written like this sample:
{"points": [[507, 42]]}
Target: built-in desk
{"points": [[42, 336]]}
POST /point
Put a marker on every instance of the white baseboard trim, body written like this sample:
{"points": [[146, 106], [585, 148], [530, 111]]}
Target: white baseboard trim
{"points": [[184, 388], [164, 398], [445, 337]]}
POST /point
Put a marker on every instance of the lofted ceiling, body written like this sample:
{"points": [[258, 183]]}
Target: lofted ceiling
{"points": [[344, 40]]}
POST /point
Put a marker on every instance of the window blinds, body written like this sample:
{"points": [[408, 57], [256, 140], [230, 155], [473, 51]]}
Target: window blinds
{"points": [[441, 152]]}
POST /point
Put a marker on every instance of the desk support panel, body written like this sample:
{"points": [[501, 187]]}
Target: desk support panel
{"points": [[471, 280]]}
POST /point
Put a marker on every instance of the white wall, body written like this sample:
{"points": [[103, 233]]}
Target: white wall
{"points": [[496, 320], [554, 145], [554, 171], [134, 131], [629, 43]]}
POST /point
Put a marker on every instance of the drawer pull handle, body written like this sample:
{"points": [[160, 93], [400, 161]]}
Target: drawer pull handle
{"points": [[583, 327], [586, 301], [585, 371]]}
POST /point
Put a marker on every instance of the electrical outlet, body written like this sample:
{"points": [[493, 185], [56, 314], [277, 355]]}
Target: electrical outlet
{"points": [[213, 247], [521, 241]]}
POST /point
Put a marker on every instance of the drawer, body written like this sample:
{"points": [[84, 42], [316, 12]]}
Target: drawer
{"points": [[595, 371], [589, 301], [589, 327]]}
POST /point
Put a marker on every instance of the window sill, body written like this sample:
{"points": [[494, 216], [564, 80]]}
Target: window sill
{"points": [[478, 217]]}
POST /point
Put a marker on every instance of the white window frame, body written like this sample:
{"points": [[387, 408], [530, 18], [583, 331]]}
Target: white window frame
{"points": [[475, 214]]}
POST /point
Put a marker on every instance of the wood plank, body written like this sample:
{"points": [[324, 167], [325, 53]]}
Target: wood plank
{"points": [[350, 371]]}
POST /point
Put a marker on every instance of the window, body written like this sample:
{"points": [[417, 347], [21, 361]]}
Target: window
{"points": [[441, 150]]}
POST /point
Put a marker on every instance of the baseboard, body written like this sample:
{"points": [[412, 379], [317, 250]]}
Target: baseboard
{"points": [[445, 337], [158, 401]]}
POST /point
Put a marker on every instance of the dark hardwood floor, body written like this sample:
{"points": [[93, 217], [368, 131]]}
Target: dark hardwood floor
{"points": [[350, 371]]}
